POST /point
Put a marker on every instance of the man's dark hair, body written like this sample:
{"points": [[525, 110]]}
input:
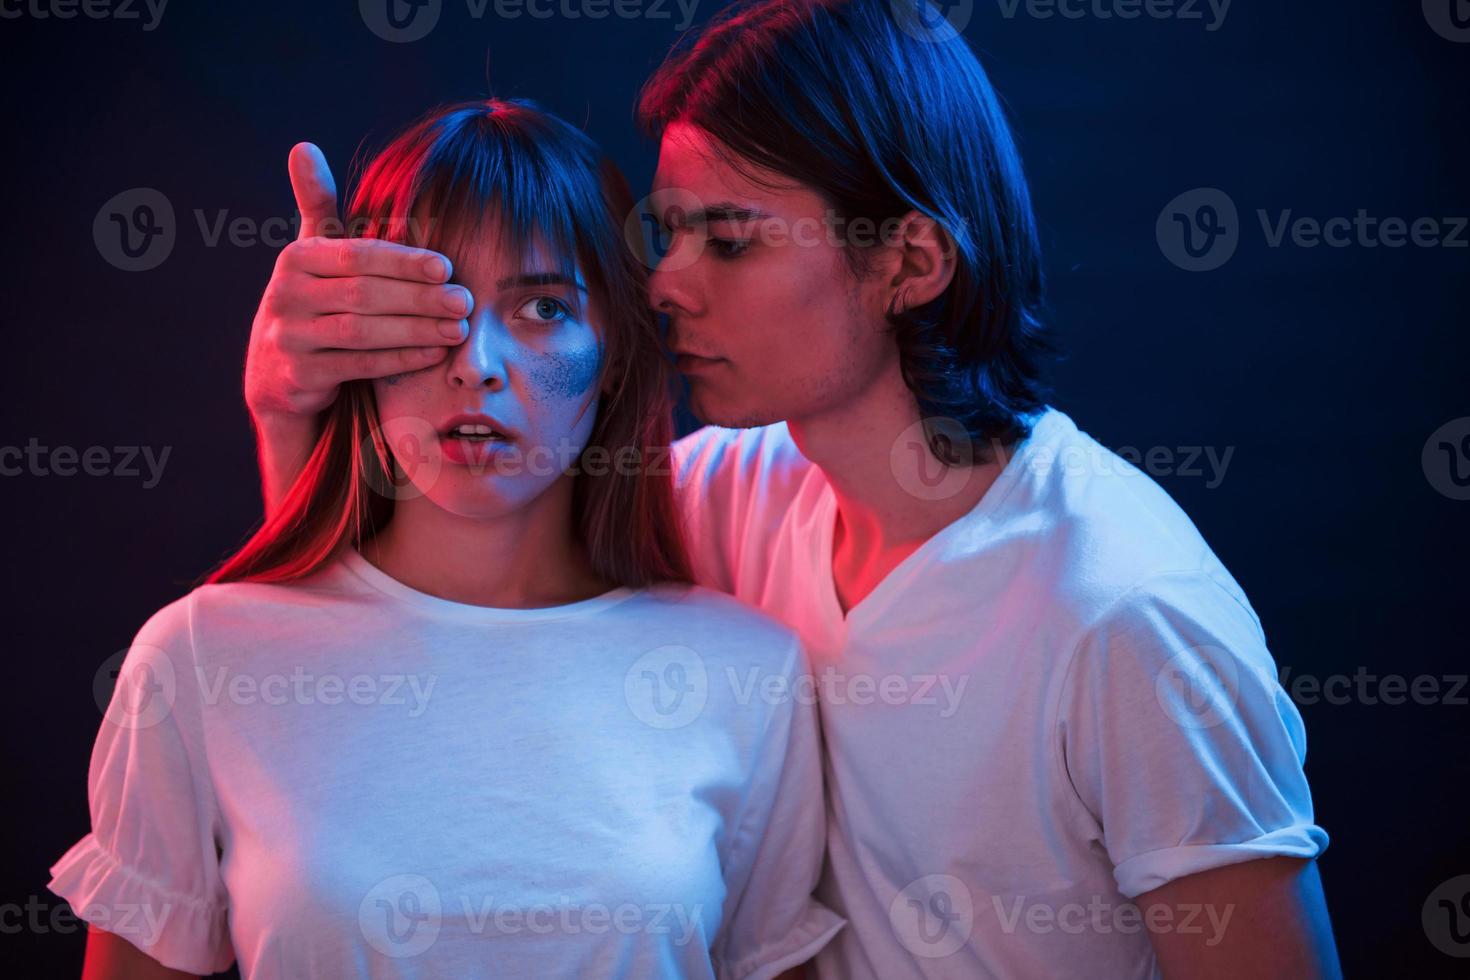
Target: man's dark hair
{"points": [[882, 108]]}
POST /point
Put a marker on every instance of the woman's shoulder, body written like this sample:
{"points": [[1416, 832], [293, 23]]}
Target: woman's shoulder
{"points": [[217, 610], [698, 602], [715, 622]]}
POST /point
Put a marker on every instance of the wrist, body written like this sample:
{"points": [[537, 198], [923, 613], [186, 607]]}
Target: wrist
{"points": [[283, 422]]}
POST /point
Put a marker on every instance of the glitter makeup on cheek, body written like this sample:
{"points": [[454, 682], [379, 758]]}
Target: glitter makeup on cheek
{"points": [[564, 375]]}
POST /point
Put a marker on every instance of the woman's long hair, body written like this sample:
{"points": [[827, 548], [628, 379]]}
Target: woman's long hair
{"points": [[506, 165]]}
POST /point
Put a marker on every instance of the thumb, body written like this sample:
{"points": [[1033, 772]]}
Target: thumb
{"points": [[316, 192]]}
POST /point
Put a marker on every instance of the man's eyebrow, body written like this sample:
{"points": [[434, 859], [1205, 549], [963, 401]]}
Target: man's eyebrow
{"points": [[539, 279], [718, 211]]}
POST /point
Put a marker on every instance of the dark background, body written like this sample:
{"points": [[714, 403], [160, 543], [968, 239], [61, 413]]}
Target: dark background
{"points": [[1326, 369]]}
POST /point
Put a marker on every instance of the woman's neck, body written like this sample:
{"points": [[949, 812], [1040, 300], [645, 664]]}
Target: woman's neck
{"points": [[526, 559]]}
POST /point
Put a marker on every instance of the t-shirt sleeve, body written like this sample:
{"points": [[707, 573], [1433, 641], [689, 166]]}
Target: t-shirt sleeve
{"points": [[149, 869], [1178, 738], [771, 920], [734, 487]]}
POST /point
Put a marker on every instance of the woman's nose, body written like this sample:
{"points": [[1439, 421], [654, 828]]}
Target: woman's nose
{"points": [[480, 360]]}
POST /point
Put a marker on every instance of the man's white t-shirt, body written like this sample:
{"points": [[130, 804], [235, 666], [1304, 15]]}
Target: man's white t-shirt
{"points": [[344, 777], [1060, 701]]}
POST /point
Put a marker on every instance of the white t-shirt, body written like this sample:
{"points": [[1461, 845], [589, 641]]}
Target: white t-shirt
{"points": [[1060, 701], [344, 777]]}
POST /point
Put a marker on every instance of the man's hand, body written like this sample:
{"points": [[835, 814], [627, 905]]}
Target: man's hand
{"points": [[337, 309]]}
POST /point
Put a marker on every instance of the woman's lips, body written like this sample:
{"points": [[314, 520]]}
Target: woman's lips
{"points": [[472, 452]]}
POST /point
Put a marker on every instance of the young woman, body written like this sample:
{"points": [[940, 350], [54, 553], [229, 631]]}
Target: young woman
{"points": [[454, 710]]}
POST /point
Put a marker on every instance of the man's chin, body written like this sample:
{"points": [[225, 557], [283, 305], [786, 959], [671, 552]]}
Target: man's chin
{"points": [[726, 413]]}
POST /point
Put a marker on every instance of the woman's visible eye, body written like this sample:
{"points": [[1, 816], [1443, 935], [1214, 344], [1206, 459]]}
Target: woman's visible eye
{"points": [[728, 248], [547, 308]]}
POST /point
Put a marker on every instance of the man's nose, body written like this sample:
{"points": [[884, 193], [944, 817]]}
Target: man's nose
{"points": [[672, 288]]}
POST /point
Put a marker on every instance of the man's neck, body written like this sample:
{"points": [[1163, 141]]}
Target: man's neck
{"points": [[892, 493]]}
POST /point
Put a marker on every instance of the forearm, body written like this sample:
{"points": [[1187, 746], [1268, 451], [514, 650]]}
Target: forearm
{"points": [[283, 445]]}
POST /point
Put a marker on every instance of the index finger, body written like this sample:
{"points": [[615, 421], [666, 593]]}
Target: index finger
{"points": [[340, 257]]}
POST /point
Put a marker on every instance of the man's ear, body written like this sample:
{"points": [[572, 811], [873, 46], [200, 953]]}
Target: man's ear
{"points": [[926, 262]]}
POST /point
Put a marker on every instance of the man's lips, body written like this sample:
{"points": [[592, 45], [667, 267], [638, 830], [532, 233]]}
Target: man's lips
{"points": [[687, 362]]}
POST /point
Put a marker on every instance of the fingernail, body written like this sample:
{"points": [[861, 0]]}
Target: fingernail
{"points": [[454, 330], [458, 301], [437, 269]]}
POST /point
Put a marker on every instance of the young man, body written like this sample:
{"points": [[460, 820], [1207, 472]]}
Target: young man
{"points": [[1055, 743]]}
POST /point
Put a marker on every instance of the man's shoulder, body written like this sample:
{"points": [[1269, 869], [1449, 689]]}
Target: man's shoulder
{"points": [[760, 454], [1104, 528]]}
